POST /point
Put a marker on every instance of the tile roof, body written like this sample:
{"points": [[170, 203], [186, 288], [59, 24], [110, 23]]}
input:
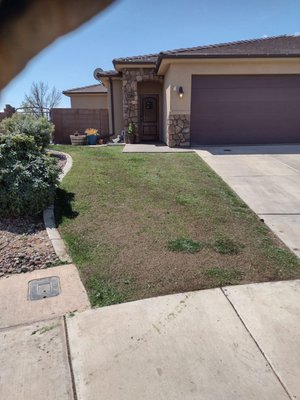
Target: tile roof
{"points": [[285, 45], [146, 59], [98, 88], [101, 74]]}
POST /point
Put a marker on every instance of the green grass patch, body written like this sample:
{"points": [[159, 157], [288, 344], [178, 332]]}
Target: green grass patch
{"points": [[288, 261], [223, 277], [225, 245], [185, 245], [102, 293]]}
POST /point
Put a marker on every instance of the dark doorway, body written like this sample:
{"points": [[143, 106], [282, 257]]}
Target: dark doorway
{"points": [[149, 118]]}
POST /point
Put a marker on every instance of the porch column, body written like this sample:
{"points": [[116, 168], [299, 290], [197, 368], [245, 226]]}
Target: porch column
{"points": [[130, 101]]}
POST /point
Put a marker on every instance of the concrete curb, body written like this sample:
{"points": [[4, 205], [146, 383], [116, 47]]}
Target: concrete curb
{"points": [[49, 219]]}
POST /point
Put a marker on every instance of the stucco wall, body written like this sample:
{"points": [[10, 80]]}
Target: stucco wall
{"points": [[176, 110], [180, 74], [92, 101], [118, 105]]}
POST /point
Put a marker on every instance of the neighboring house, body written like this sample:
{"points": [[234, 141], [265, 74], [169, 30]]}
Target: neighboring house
{"points": [[245, 92], [93, 96]]}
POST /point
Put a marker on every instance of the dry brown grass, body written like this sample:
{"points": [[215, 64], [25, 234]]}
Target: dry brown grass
{"points": [[127, 208]]}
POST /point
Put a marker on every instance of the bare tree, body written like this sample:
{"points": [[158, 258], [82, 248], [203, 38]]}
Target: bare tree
{"points": [[41, 99]]}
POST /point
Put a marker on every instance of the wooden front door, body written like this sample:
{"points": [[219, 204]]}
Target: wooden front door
{"points": [[149, 120]]}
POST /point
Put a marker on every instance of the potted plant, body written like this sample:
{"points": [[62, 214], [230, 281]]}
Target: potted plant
{"points": [[77, 139], [131, 133], [91, 135]]}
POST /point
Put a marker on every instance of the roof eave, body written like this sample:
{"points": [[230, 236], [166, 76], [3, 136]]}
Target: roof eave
{"points": [[83, 93], [117, 63], [220, 56]]}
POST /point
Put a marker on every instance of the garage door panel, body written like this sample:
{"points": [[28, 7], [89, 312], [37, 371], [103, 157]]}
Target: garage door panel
{"points": [[245, 109], [249, 109], [280, 95], [245, 81]]}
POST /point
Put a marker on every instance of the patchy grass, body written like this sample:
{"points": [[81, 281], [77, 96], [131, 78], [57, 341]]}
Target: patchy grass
{"points": [[122, 215], [102, 293], [225, 245], [184, 245], [223, 277]]}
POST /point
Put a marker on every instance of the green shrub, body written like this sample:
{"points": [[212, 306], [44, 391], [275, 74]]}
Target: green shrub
{"points": [[37, 127], [28, 178]]}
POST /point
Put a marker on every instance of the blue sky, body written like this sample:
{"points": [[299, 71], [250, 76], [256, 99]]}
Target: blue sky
{"points": [[132, 27]]}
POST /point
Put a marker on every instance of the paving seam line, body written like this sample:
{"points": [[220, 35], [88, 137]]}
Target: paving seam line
{"points": [[49, 218], [258, 346], [36, 321], [287, 165], [70, 358]]}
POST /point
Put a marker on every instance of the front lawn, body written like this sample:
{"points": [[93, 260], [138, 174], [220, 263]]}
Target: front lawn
{"points": [[142, 225]]}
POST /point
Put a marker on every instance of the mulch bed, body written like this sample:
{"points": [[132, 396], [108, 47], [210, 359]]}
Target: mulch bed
{"points": [[24, 242], [61, 159]]}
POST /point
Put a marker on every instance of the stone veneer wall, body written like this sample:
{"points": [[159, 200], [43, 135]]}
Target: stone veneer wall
{"points": [[178, 134], [131, 78]]}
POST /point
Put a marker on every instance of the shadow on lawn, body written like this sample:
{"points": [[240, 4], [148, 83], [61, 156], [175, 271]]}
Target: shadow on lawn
{"points": [[63, 206]]}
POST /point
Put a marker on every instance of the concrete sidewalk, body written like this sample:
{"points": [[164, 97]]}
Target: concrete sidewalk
{"points": [[237, 343], [16, 309], [240, 343], [154, 148], [267, 178]]}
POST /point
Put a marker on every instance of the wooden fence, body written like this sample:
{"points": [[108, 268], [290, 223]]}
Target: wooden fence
{"points": [[69, 120]]}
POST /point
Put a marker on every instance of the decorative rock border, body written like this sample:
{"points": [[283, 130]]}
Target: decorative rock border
{"points": [[49, 219]]}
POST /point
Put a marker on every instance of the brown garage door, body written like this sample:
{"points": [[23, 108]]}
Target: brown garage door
{"points": [[245, 109]]}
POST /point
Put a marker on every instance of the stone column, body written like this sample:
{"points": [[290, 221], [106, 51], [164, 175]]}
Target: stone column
{"points": [[178, 134], [130, 99]]}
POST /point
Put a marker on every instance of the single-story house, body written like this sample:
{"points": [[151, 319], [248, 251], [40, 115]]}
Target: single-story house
{"points": [[92, 97], [245, 92]]}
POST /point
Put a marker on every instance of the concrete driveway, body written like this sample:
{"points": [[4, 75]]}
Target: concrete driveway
{"points": [[267, 178]]}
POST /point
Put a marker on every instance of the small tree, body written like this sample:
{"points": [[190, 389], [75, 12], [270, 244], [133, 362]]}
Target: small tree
{"points": [[41, 99]]}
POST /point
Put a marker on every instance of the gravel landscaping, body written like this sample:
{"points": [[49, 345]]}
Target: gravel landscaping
{"points": [[24, 246], [24, 243]]}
